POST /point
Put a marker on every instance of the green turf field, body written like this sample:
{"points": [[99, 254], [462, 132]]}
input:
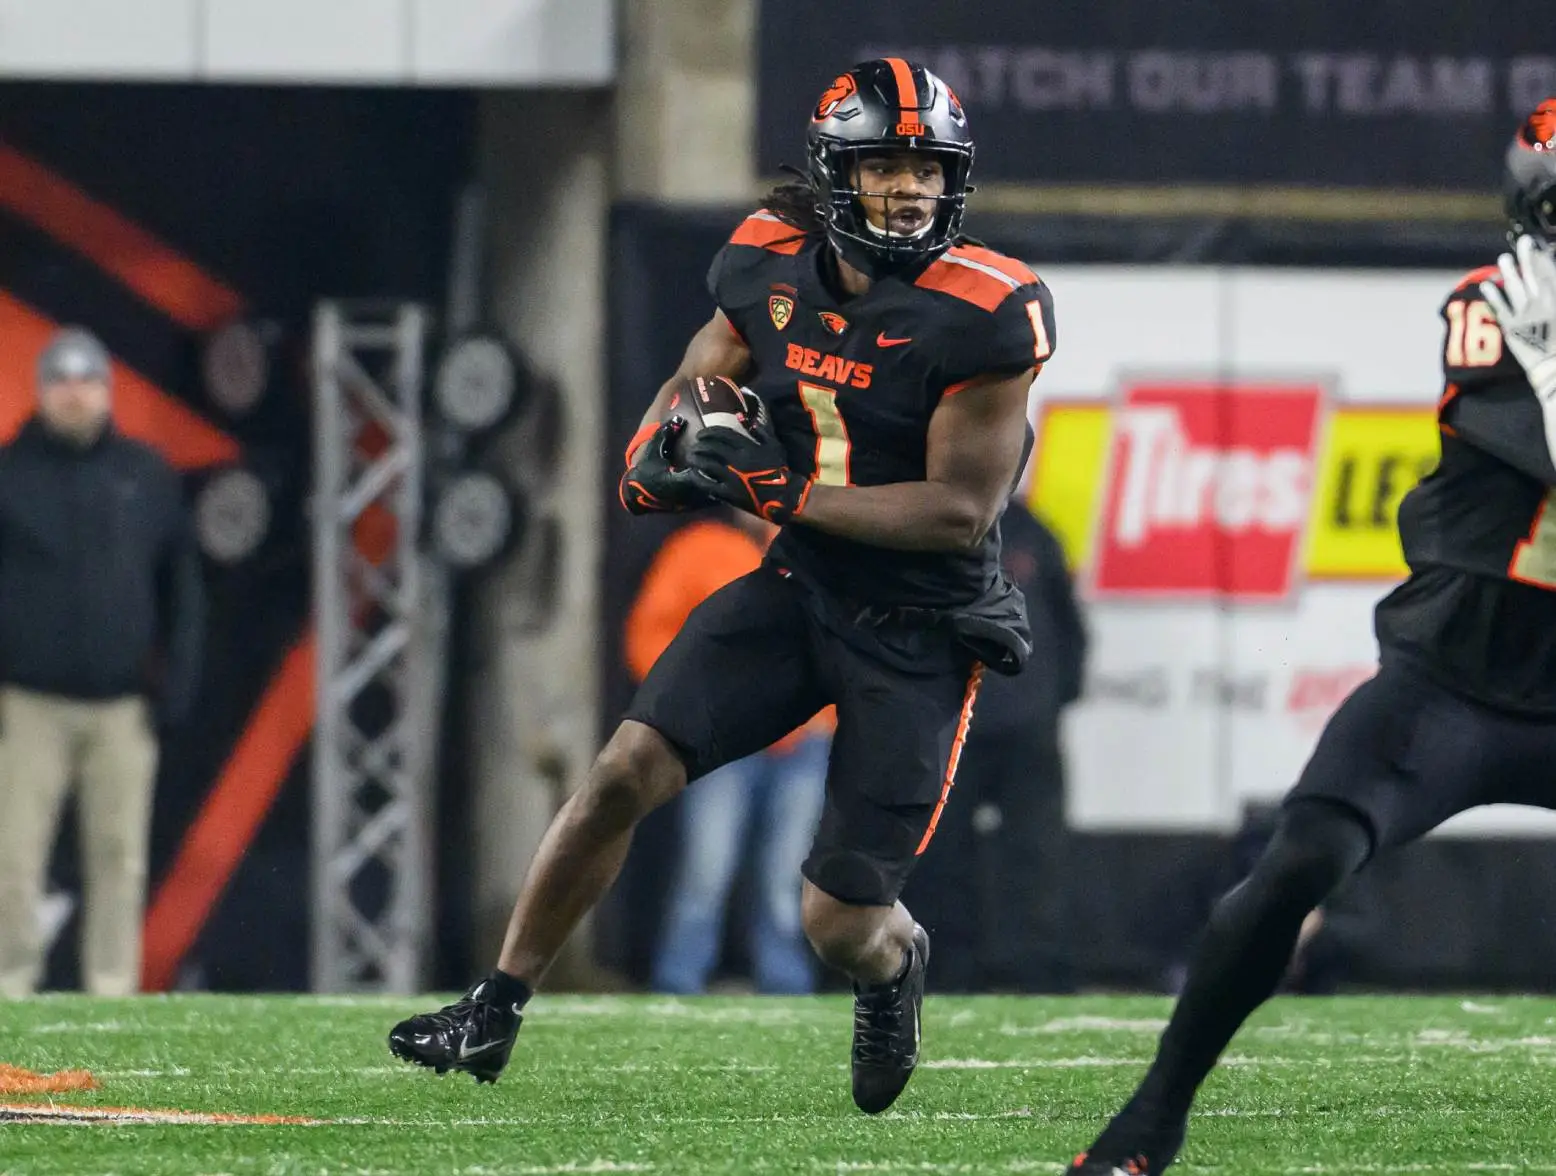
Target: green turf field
{"points": [[1364, 1085]]}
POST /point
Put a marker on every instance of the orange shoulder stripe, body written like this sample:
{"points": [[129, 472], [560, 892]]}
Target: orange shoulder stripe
{"points": [[968, 280], [1475, 277], [768, 232], [1008, 266]]}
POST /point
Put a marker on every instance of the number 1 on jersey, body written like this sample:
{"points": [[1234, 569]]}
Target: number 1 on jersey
{"points": [[832, 443], [1042, 347]]}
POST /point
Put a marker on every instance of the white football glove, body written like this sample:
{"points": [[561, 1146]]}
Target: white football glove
{"points": [[1525, 309]]}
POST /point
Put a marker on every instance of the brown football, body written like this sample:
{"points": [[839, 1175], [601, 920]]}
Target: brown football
{"points": [[703, 402]]}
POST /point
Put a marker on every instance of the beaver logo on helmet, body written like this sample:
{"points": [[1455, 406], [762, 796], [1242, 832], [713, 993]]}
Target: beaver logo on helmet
{"points": [[1539, 132], [843, 88]]}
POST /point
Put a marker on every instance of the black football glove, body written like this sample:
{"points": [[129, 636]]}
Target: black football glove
{"points": [[651, 485], [752, 473]]}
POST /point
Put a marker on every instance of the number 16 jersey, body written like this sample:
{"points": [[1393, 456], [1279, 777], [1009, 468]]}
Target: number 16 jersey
{"points": [[851, 386], [1478, 612]]}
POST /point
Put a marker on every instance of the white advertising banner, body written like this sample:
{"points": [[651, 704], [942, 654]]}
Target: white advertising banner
{"points": [[1222, 453]]}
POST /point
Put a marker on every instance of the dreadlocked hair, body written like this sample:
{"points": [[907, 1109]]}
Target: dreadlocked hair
{"points": [[794, 202]]}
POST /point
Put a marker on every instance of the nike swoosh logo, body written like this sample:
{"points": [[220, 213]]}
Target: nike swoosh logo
{"points": [[466, 1053], [883, 340]]}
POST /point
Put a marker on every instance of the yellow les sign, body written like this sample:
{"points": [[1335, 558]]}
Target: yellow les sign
{"points": [[1369, 460]]}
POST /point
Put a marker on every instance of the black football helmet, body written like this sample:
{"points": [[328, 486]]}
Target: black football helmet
{"points": [[879, 107], [1529, 180]]}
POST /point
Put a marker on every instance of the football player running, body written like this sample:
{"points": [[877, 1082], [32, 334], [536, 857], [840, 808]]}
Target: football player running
{"points": [[888, 361]]}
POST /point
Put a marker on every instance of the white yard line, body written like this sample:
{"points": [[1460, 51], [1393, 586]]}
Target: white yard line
{"points": [[556, 1169], [843, 1167], [1085, 1025], [1407, 1053]]}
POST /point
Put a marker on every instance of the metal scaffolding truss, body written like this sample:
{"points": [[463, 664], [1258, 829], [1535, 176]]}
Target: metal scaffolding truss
{"points": [[375, 730]]}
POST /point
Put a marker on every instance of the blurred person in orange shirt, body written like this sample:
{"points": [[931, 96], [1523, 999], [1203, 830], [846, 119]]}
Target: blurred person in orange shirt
{"points": [[769, 802]]}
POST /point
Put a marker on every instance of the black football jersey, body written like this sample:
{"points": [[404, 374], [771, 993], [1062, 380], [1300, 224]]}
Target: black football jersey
{"points": [[851, 386], [1479, 532]]}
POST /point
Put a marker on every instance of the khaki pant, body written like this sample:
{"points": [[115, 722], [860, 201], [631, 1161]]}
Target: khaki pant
{"points": [[108, 750]]}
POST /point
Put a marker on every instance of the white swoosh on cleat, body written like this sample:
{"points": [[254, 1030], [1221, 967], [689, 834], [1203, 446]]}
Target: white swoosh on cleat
{"points": [[466, 1053]]}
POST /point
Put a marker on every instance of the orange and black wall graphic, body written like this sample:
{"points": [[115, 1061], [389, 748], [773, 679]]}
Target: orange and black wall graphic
{"points": [[154, 215]]}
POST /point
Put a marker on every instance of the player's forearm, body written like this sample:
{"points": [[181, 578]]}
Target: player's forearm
{"points": [[906, 516], [716, 350], [652, 416], [661, 402]]}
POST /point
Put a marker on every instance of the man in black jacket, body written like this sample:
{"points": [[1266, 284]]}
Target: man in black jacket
{"points": [[999, 854], [101, 610]]}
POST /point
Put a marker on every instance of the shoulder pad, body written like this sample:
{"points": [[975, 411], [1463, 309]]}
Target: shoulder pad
{"points": [[976, 275], [1476, 277], [763, 230]]}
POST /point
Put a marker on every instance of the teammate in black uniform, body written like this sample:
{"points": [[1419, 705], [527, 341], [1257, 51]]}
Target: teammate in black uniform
{"points": [[1462, 711], [888, 362]]}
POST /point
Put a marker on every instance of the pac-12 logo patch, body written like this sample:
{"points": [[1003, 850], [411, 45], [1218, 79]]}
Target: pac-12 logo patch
{"points": [[781, 307]]}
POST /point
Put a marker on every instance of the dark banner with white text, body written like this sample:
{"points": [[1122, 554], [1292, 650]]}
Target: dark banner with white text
{"points": [[1379, 95]]}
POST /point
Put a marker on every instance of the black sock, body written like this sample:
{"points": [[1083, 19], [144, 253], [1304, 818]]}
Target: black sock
{"points": [[1247, 945], [508, 990]]}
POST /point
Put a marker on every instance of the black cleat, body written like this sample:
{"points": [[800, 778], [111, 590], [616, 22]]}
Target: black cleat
{"points": [[472, 1035], [1141, 1140], [886, 1032]]}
